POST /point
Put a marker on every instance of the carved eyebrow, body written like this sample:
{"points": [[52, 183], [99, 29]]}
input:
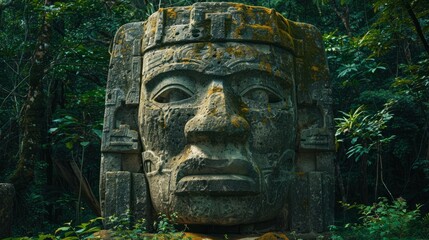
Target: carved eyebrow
{"points": [[162, 80], [184, 74], [189, 76], [283, 80], [182, 69], [210, 69]]}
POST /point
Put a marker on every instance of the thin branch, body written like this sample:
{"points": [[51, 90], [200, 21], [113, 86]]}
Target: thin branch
{"points": [[11, 68], [13, 90], [380, 159], [343, 15], [417, 25]]}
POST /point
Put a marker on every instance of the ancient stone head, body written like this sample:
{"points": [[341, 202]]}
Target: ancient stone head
{"points": [[209, 110]]}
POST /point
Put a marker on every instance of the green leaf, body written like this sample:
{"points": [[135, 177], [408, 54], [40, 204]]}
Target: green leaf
{"points": [[71, 238], [69, 145], [84, 144], [97, 132], [46, 237], [58, 120], [51, 130], [62, 229], [93, 230]]}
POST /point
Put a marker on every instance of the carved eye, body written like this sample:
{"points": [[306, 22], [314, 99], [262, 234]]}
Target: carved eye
{"points": [[261, 95], [172, 93]]}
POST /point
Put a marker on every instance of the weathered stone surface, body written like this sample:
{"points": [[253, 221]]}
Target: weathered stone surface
{"points": [[128, 196], [118, 185], [313, 212], [141, 207], [223, 109], [7, 193]]}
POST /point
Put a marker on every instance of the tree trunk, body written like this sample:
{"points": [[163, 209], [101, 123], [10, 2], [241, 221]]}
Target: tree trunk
{"points": [[364, 179], [343, 14], [416, 24], [33, 122]]}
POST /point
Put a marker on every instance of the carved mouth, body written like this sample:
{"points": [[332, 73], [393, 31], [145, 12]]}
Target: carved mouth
{"points": [[222, 177]]}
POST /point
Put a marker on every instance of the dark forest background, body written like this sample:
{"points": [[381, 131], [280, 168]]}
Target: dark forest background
{"points": [[54, 58]]}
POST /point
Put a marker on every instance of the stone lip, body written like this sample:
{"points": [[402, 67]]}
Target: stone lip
{"points": [[217, 177], [230, 184]]}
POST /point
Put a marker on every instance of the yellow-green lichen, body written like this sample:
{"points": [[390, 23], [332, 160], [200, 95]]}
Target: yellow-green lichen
{"points": [[214, 89], [236, 121], [171, 13]]}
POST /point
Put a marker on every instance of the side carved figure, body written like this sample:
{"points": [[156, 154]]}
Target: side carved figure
{"points": [[219, 112]]}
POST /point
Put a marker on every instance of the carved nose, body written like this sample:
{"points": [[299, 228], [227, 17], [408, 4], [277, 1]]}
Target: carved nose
{"points": [[217, 119]]}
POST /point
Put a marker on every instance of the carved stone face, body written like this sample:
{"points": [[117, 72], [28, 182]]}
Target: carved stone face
{"points": [[217, 124]]}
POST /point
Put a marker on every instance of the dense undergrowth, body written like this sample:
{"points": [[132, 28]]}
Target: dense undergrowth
{"points": [[119, 228], [384, 220]]}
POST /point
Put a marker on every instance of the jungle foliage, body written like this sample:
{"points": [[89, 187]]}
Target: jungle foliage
{"points": [[54, 60]]}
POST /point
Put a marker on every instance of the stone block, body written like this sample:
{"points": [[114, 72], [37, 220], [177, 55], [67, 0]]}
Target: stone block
{"points": [[328, 184], [140, 198], [299, 203], [315, 192], [109, 162], [118, 188], [7, 193], [325, 162], [312, 202]]}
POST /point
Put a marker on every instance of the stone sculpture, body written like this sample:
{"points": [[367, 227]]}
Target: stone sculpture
{"points": [[219, 112]]}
